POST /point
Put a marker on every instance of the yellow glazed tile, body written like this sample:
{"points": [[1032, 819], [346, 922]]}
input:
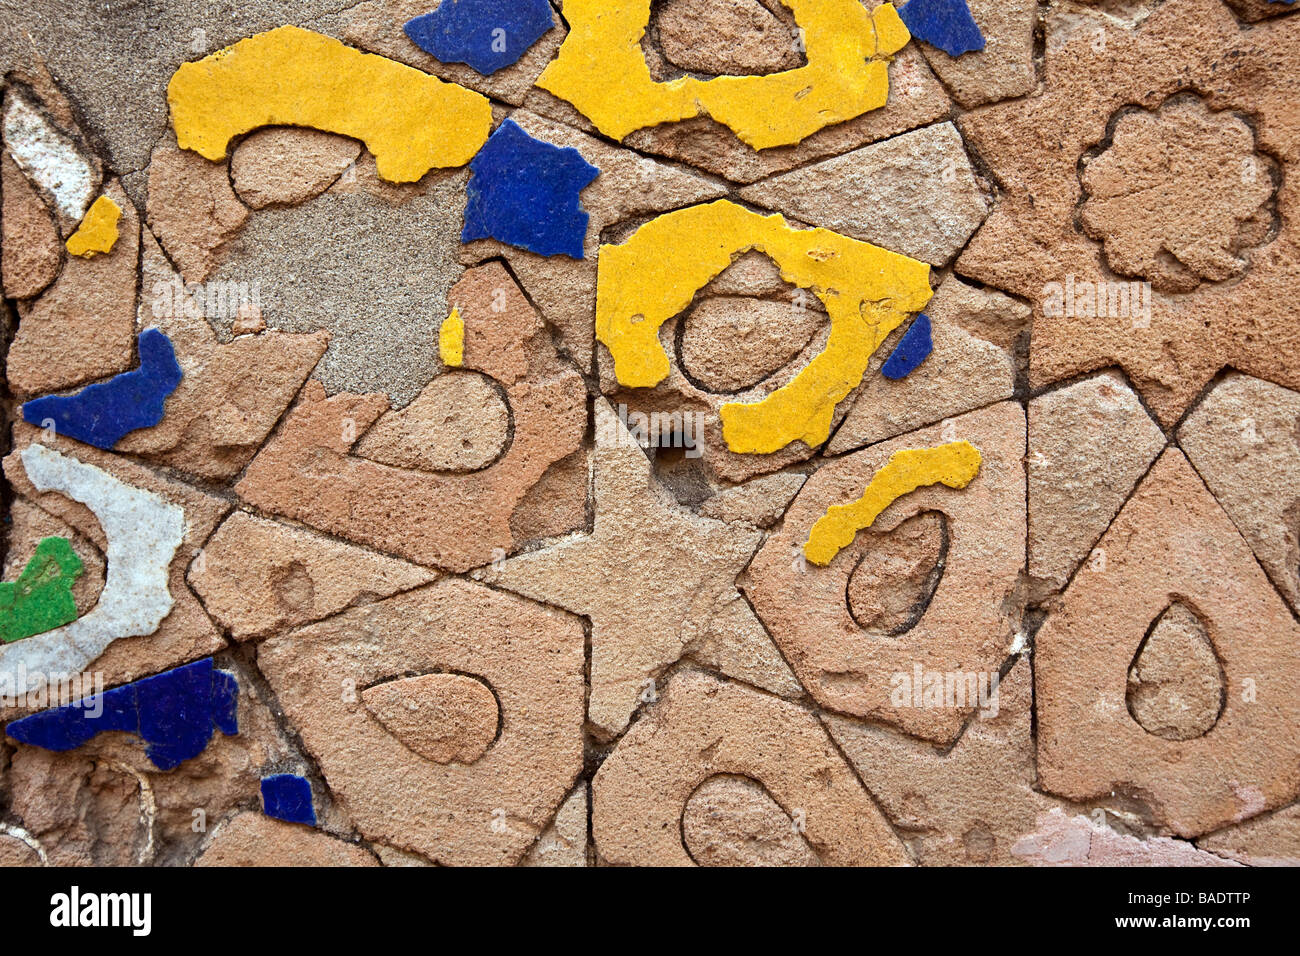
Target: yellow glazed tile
{"points": [[451, 340], [98, 230], [410, 121], [601, 69], [954, 464], [867, 291]]}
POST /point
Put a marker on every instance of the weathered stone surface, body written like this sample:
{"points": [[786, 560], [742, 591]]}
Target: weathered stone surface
{"points": [[629, 185], [83, 327], [738, 646], [1005, 67], [924, 178], [383, 319], [1175, 686], [760, 501], [460, 422], [1242, 440], [288, 164], [14, 852], [741, 38], [81, 812], [971, 621], [187, 633], [702, 727], [257, 577], [446, 718], [556, 504], [966, 806], [650, 575], [1271, 839], [192, 209], [730, 344], [488, 812], [915, 99], [732, 821], [1062, 840], [230, 395], [564, 842], [1089, 443], [1033, 239], [458, 522], [1252, 11], [972, 365], [1179, 196], [250, 839], [33, 251], [1170, 540]]}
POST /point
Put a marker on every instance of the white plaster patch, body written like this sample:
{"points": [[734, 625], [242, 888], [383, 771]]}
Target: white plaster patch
{"points": [[49, 158], [143, 531]]}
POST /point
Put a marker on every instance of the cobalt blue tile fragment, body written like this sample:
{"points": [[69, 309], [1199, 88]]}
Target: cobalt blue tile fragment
{"points": [[103, 413], [911, 350], [524, 192], [489, 35], [946, 24], [173, 712], [287, 796]]}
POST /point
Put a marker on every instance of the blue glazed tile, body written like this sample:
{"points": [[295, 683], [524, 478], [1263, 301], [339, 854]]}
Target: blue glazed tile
{"points": [[287, 796], [524, 192], [174, 712], [946, 24], [912, 349], [487, 34], [101, 414]]}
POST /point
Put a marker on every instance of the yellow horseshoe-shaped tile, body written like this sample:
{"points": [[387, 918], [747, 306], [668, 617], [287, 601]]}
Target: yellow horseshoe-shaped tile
{"points": [[867, 291], [410, 121], [601, 69]]}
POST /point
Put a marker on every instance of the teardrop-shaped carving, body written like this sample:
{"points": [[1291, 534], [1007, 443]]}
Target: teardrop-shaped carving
{"points": [[442, 717], [1176, 685], [733, 821], [892, 585], [731, 343], [459, 423]]}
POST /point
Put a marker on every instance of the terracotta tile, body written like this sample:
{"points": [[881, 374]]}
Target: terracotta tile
{"points": [[487, 812], [971, 621], [1171, 542], [702, 728]]}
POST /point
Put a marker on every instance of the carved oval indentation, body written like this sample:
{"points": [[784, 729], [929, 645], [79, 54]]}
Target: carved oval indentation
{"points": [[738, 38], [1176, 685], [731, 343], [442, 717], [890, 589], [459, 423], [733, 821]]}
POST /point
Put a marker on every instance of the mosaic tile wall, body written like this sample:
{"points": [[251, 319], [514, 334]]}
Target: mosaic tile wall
{"points": [[615, 432]]}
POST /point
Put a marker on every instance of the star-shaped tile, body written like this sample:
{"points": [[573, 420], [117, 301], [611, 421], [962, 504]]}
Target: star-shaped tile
{"points": [[1086, 208], [649, 575]]}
